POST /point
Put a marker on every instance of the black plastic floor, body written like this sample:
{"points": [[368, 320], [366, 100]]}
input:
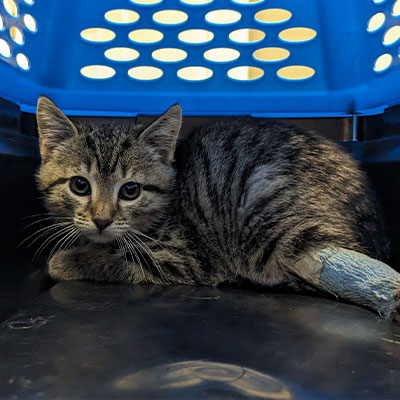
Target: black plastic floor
{"points": [[84, 340]]}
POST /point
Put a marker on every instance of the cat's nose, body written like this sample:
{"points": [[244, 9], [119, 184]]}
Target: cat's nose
{"points": [[102, 223]]}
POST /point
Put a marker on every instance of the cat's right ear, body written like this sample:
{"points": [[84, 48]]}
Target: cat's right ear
{"points": [[54, 126]]}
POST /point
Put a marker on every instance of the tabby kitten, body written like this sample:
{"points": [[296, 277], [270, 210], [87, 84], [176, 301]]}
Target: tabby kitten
{"points": [[236, 200]]}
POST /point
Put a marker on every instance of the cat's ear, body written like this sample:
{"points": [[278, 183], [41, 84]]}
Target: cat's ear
{"points": [[54, 126], [161, 135]]}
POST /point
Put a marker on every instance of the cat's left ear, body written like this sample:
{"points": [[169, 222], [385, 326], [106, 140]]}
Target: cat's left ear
{"points": [[161, 135]]}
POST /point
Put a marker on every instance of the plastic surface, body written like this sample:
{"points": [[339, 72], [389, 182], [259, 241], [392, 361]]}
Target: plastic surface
{"points": [[331, 59], [83, 340]]}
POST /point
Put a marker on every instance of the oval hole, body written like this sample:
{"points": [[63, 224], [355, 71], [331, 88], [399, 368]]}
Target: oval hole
{"points": [[169, 55], [170, 17], [11, 8], [145, 36], [391, 36], [396, 9], [23, 62], [221, 54], [271, 54], [376, 22], [98, 72], [247, 36], [196, 2], [296, 73], [223, 17], [122, 54], [17, 36], [195, 73], [29, 2], [99, 35], [145, 73], [122, 17], [297, 35], [196, 36], [245, 73], [146, 2], [378, 1], [248, 2], [30, 23], [2, 24], [273, 16], [383, 62], [5, 49]]}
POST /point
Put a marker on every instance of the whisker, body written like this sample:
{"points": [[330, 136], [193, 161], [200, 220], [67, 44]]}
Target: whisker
{"points": [[39, 215], [46, 229], [49, 239], [135, 255], [58, 246], [44, 219], [148, 251], [158, 242]]}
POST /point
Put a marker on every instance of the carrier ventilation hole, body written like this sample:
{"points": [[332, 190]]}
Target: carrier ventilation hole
{"points": [[271, 54], [296, 73], [30, 2], [11, 8], [376, 22], [223, 17], [170, 17], [391, 36], [146, 2], [248, 1], [196, 2], [5, 49], [100, 35], [23, 62], [383, 62], [247, 36], [2, 24], [145, 73], [378, 1], [30, 23], [273, 16], [169, 55], [221, 54], [17, 36], [396, 9], [245, 73], [145, 36], [196, 36], [123, 17], [98, 72], [195, 74], [122, 54], [297, 35]]}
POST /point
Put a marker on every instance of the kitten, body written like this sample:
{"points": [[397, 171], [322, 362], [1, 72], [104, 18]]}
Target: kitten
{"points": [[236, 200]]}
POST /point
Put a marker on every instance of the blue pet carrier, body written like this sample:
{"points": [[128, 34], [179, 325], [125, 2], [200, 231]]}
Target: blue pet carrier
{"points": [[215, 57]]}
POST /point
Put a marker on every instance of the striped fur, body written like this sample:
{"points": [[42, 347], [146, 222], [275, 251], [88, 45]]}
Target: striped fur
{"points": [[235, 200]]}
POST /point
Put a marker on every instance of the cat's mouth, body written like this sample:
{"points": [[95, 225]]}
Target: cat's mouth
{"points": [[100, 237]]}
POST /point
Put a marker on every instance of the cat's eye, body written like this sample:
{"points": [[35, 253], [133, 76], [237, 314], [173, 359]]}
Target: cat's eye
{"points": [[79, 186], [129, 191]]}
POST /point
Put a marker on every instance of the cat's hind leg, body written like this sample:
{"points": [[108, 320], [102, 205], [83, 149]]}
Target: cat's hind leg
{"points": [[353, 276]]}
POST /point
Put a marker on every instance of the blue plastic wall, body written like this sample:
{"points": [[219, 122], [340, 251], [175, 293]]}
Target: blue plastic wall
{"points": [[342, 54]]}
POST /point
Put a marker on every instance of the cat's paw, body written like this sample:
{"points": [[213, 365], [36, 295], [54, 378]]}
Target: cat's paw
{"points": [[395, 314], [61, 267]]}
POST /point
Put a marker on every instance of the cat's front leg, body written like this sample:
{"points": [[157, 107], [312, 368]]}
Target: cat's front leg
{"points": [[91, 263]]}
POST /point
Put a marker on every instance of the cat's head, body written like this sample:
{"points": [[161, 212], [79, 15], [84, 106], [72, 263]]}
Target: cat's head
{"points": [[106, 179]]}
